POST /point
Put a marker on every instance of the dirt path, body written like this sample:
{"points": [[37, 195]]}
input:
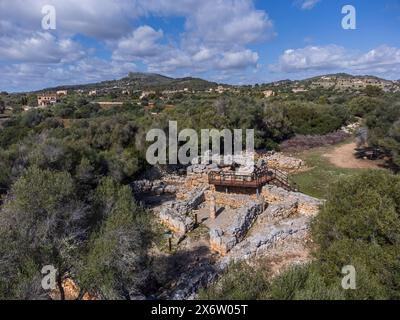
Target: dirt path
{"points": [[343, 157]]}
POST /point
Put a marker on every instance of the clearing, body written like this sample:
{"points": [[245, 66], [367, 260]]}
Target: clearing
{"points": [[343, 157], [327, 165]]}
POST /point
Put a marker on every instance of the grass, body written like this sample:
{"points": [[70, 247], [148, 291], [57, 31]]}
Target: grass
{"points": [[316, 181]]}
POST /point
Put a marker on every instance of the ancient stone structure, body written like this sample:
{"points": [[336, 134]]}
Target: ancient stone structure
{"points": [[175, 215], [306, 205], [222, 241], [237, 225]]}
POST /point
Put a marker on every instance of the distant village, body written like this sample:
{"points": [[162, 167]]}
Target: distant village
{"points": [[333, 82], [47, 99]]}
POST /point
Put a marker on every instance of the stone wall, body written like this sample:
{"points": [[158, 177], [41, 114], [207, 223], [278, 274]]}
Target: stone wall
{"points": [[157, 187], [176, 215], [222, 241], [276, 212], [306, 205], [234, 201]]}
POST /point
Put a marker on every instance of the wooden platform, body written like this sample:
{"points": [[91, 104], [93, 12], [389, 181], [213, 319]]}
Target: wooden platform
{"points": [[256, 180]]}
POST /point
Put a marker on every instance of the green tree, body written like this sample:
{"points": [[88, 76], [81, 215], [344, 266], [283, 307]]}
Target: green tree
{"points": [[117, 265], [40, 224]]}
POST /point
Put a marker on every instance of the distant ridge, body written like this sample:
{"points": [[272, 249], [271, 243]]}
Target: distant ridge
{"points": [[142, 81]]}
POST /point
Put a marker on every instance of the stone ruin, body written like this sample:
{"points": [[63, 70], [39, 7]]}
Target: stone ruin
{"points": [[240, 226]]}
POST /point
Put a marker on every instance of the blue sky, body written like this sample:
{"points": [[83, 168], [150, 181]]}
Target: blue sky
{"points": [[230, 41]]}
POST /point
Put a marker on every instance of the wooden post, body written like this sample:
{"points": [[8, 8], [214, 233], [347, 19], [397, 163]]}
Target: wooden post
{"points": [[170, 244]]}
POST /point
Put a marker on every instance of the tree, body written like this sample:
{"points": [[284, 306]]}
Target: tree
{"points": [[383, 126], [117, 264], [41, 223]]}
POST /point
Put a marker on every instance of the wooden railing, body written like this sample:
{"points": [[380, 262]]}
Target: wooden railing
{"points": [[255, 180]]}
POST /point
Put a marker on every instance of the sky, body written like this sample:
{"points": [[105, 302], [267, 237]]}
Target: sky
{"points": [[227, 41]]}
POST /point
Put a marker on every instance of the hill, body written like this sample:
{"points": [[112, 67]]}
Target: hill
{"points": [[142, 81]]}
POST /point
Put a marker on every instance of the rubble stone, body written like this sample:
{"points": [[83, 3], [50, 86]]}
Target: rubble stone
{"points": [[277, 160], [280, 211]]}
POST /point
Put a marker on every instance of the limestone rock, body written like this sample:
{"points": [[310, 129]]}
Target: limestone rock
{"points": [[189, 284]]}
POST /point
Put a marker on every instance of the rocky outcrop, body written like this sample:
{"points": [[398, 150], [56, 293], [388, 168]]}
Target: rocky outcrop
{"points": [[189, 284], [306, 205], [222, 241]]}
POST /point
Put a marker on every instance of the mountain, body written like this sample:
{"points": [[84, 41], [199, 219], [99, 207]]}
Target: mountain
{"points": [[142, 81]]}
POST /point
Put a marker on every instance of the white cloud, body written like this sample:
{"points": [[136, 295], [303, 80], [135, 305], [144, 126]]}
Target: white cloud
{"points": [[212, 29], [38, 76], [383, 60], [142, 42], [216, 37], [307, 4], [239, 60], [39, 47], [103, 19]]}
